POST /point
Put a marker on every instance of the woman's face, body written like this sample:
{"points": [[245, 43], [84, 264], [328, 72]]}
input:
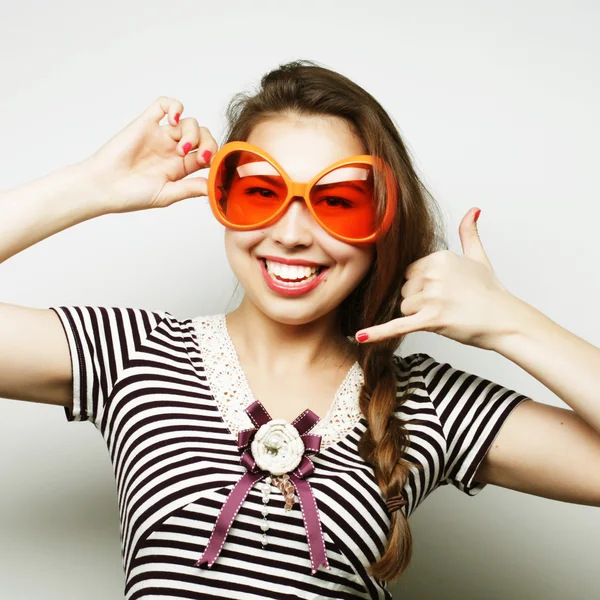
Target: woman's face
{"points": [[303, 146]]}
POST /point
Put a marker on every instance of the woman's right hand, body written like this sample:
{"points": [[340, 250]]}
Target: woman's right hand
{"points": [[144, 165]]}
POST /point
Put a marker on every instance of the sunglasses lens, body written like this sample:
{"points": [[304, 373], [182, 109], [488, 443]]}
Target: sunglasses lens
{"points": [[248, 189], [343, 200]]}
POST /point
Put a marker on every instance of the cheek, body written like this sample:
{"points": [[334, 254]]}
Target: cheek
{"points": [[238, 243], [357, 259], [361, 265]]}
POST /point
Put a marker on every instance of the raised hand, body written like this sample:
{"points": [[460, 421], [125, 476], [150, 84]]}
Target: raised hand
{"points": [[144, 165], [456, 296]]}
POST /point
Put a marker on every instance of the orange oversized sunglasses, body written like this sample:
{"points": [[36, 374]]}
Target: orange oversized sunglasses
{"points": [[248, 189]]}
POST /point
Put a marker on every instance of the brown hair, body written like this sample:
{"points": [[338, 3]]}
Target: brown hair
{"points": [[306, 88]]}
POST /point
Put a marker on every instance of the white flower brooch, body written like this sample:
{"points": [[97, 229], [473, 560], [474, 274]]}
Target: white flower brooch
{"points": [[276, 451], [277, 447]]}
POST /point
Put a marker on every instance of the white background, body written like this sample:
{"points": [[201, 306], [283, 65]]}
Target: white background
{"points": [[498, 103]]}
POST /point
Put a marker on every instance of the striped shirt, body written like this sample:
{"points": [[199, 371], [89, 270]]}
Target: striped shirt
{"points": [[143, 379]]}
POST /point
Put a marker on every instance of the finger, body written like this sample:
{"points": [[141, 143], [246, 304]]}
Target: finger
{"points": [[412, 304], [191, 138], [412, 286], [187, 128], [162, 106], [189, 135], [193, 162], [207, 148], [175, 191], [417, 267], [394, 328], [201, 158], [469, 238]]}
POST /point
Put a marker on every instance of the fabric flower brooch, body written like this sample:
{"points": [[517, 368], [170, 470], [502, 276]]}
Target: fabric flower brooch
{"points": [[276, 451]]}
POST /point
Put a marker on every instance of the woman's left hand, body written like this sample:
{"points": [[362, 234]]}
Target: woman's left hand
{"points": [[458, 297]]}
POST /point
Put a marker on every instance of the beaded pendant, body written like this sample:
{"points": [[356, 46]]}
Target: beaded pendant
{"points": [[286, 487]]}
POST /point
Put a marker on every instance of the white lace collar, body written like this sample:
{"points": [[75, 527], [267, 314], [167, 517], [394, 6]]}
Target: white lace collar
{"points": [[232, 392]]}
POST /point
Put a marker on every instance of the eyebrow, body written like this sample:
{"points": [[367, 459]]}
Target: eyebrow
{"points": [[266, 171], [352, 173], [350, 184], [256, 168], [272, 179], [276, 180]]}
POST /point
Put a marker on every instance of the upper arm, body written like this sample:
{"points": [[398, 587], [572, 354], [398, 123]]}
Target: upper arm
{"points": [[70, 355], [102, 343], [546, 451], [471, 412], [34, 356]]}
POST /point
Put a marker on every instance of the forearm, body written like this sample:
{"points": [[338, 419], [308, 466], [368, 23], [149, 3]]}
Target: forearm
{"points": [[37, 210], [566, 364]]}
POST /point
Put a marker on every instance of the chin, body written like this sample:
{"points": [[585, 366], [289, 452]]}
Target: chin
{"points": [[289, 312]]}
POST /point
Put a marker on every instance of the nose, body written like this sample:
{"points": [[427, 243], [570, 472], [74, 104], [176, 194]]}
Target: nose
{"points": [[295, 226]]}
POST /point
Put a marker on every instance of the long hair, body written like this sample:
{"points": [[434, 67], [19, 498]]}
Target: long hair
{"points": [[306, 88]]}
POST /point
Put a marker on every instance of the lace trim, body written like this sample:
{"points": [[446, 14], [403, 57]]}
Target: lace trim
{"points": [[232, 393]]}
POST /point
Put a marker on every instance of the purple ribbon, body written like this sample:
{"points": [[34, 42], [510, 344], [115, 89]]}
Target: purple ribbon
{"points": [[312, 443]]}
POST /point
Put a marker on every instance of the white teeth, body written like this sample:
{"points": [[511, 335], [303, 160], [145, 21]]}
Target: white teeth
{"points": [[289, 272]]}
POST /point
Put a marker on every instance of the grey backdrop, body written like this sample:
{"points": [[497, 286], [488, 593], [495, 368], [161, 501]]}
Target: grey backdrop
{"points": [[498, 103]]}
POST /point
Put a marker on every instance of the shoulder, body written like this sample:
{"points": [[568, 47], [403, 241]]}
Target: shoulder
{"points": [[166, 329], [417, 363], [436, 377], [414, 368], [200, 323], [414, 401], [208, 328]]}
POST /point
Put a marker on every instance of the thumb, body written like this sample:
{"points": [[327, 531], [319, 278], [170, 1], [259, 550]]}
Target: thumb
{"points": [[192, 187], [470, 240]]}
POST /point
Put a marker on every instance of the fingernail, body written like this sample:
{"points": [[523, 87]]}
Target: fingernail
{"points": [[176, 118], [186, 148], [206, 155], [477, 215], [362, 337]]}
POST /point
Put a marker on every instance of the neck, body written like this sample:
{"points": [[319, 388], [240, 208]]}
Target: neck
{"points": [[281, 348]]}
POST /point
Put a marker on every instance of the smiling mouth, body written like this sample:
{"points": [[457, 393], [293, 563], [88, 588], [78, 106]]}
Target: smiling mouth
{"points": [[292, 274]]}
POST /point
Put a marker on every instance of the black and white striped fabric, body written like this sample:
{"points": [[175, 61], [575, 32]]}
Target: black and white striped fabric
{"points": [[139, 376]]}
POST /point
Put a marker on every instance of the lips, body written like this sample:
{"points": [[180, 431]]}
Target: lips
{"points": [[292, 261]]}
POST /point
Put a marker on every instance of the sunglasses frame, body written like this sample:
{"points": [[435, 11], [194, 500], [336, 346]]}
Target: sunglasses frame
{"points": [[301, 189]]}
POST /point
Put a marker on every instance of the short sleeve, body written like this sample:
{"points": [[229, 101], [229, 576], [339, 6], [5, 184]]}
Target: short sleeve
{"points": [[101, 341], [472, 411]]}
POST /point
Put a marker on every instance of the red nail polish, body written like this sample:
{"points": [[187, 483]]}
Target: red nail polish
{"points": [[477, 215], [186, 148], [206, 155], [362, 337], [176, 118]]}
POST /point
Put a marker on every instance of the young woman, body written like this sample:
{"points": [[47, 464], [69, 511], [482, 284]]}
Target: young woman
{"points": [[278, 451]]}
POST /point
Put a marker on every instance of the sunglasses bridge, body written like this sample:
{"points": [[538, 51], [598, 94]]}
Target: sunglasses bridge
{"points": [[297, 190]]}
